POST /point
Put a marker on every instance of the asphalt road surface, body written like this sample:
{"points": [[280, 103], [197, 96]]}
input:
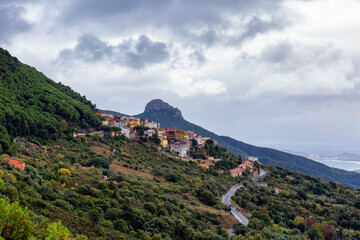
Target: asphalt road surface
{"points": [[226, 201]]}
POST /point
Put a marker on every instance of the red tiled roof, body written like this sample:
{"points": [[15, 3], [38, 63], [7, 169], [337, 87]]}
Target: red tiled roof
{"points": [[206, 164], [236, 171], [16, 163]]}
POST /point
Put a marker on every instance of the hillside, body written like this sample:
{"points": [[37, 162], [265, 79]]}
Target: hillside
{"points": [[112, 187], [170, 117], [147, 196], [33, 105]]}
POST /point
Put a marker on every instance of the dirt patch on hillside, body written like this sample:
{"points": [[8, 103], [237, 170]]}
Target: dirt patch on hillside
{"points": [[100, 150], [119, 168], [228, 220]]}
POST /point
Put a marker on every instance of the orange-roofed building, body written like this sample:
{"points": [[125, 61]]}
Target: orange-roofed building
{"points": [[246, 164], [15, 162], [236, 172], [277, 191], [206, 165]]}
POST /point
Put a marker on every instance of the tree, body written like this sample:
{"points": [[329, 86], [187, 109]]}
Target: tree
{"points": [[63, 125], [64, 172], [240, 229], [14, 221], [240, 159], [316, 232], [100, 161], [57, 231], [194, 143]]}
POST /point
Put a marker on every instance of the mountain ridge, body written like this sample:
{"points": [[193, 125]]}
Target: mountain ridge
{"points": [[167, 118]]}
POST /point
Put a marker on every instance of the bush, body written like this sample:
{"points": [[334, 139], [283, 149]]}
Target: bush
{"points": [[64, 172], [100, 162], [14, 221], [57, 231]]}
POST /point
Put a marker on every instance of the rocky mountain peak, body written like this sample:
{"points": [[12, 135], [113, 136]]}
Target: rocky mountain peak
{"points": [[158, 105]]}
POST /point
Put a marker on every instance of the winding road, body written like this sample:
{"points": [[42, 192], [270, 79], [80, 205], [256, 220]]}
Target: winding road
{"points": [[226, 201], [227, 197]]}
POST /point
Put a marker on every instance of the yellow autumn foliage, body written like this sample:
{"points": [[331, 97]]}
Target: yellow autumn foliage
{"points": [[299, 220], [64, 172]]}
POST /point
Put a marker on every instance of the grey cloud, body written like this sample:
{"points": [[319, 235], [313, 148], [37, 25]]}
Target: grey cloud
{"points": [[146, 52], [277, 53], [11, 22], [258, 26], [134, 53], [291, 55], [209, 37], [198, 56], [88, 9], [179, 17], [89, 48]]}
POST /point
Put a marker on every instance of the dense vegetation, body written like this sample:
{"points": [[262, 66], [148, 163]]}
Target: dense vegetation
{"points": [[305, 207], [167, 118], [152, 196], [166, 198], [33, 105], [116, 188]]}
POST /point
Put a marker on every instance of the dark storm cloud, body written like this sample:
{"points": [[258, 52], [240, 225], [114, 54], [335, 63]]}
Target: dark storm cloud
{"points": [[11, 22], [134, 53]]}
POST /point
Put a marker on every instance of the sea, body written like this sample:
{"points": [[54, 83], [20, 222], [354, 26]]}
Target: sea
{"points": [[346, 165]]}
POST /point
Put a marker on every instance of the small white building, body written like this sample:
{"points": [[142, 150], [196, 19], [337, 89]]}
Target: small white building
{"points": [[150, 132], [252, 159], [125, 131], [180, 150], [198, 140], [152, 124], [120, 124]]}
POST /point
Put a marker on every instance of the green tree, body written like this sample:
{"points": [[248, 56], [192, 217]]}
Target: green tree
{"points": [[100, 161], [57, 231], [14, 221]]}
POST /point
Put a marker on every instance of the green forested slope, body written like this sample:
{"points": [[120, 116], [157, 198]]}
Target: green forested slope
{"points": [[33, 105]]}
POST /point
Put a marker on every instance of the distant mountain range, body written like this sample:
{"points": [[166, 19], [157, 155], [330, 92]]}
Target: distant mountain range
{"points": [[168, 116]]}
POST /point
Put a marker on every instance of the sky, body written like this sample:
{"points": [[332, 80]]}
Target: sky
{"points": [[281, 73]]}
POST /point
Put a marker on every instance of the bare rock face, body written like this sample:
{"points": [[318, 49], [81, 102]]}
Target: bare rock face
{"points": [[157, 105]]}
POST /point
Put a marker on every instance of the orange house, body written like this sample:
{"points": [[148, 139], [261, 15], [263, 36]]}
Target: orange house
{"points": [[15, 162]]}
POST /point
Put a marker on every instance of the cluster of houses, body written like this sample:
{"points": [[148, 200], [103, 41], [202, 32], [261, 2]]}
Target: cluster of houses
{"points": [[177, 141], [248, 163]]}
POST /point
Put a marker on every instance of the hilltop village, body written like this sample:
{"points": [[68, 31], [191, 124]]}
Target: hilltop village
{"points": [[176, 141]]}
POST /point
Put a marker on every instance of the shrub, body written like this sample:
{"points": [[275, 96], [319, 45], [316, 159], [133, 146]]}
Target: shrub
{"points": [[64, 172], [57, 231], [100, 162], [14, 221]]}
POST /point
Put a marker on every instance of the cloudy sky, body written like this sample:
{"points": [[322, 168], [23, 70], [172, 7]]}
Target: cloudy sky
{"points": [[280, 73]]}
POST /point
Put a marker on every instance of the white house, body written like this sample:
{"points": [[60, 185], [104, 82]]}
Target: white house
{"points": [[120, 124], [125, 131], [252, 159], [180, 150], [152, 124], [150, 132]]}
